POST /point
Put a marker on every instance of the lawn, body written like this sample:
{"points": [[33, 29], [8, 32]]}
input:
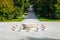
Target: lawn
{"points": [[14, 20], [48, 20]]}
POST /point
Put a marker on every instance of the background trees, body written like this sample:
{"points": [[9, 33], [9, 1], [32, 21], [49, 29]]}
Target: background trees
{"points": [[12, 9], [57, 13], [6, 9], [47, 8]]}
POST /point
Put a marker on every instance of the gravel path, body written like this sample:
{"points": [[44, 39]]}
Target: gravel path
{"points": [[52, 33], [30, 18]]}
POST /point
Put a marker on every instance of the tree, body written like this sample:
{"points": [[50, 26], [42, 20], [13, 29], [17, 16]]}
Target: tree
{"points": [[6, 7], [10, 9], [57, 13], [45, 8]]}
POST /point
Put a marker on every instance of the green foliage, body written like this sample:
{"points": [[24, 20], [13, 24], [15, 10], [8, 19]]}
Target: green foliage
{"points": [[47, 8], [12, 9], [57, 13]]}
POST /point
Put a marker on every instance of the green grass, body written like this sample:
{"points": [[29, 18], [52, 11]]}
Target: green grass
{"points": [[14, 20], [48, 20]]}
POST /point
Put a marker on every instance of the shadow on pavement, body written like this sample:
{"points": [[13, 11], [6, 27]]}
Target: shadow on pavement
{"points": [[30, 38]]}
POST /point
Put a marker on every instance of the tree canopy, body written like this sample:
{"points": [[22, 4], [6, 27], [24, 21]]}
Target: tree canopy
{"points": [[47, 8], [12, 9]]}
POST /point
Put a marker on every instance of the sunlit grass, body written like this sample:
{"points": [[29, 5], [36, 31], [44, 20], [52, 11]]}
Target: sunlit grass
{"points": [[14, 20]]}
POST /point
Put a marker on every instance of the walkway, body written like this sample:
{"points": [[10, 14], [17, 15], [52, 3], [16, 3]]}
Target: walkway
{"points": [[31, 17]]}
